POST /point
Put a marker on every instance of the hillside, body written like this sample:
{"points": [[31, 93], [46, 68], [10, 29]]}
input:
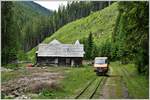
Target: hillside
{"points": [[24, 25], [100, 24], [35, 7]]}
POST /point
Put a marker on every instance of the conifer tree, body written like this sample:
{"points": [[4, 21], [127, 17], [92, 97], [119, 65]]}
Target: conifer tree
{"points": [[89, 46]]}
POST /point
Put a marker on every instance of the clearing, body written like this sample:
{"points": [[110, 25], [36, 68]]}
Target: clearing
{"points": [[122, 82]]}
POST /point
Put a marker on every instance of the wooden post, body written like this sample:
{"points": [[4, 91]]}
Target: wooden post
{"points": [[72, 62], [56, 62]]}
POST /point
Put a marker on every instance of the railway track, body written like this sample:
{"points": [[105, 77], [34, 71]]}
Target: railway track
{"points": [[89, 91]]}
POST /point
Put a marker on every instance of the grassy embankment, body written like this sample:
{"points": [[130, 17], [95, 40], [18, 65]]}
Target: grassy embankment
{"points": [[100, 24], [137, 85]]}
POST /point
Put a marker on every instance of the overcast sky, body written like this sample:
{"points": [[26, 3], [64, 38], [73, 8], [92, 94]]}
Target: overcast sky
{"points": [[52, 5]]}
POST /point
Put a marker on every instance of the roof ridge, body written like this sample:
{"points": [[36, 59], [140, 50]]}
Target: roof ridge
{"points": [[55, 42]]}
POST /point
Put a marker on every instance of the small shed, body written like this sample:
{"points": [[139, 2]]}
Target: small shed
{"points": [[57, 53]]}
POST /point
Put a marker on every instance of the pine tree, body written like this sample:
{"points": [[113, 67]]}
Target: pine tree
{"points": [[89, 46]]}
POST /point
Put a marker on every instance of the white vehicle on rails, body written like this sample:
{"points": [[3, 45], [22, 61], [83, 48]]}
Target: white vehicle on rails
{"points": [[101, 65]]}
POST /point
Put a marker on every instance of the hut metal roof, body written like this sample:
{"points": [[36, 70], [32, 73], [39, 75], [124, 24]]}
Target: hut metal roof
{"points": [[57, 49]]}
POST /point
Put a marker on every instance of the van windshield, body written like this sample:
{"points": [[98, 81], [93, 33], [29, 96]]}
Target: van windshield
{"points": [[100, 61]]}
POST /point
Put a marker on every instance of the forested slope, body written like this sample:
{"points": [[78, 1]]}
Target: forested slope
{"points": [[32, 21], [35, 7], [22, 27], [100, 24], [25, 24]]}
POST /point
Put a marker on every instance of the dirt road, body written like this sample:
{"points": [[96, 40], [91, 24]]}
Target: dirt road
{"points": [[114, 87]]}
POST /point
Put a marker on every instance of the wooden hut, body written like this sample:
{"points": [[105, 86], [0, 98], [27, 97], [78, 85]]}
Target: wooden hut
{"points": [[57, 53]]}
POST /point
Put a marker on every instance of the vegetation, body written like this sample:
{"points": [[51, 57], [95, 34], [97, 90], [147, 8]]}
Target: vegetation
{"points": [[6, 76], [100, 24], [74, 81], [89, 47], [131, 34], [121, 76], [137, 85], [68, 86], [22, 30], [25, 71]]}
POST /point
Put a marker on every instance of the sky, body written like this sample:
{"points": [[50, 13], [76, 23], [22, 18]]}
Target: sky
{"points": [[52, 5]]}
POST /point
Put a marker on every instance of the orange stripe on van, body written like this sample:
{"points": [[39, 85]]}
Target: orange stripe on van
{"points": [[100, 65]]}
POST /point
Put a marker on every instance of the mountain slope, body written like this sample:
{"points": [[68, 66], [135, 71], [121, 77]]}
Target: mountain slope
{"points": [[100, 24], [24, 25], [35, 7], [32, 20]]}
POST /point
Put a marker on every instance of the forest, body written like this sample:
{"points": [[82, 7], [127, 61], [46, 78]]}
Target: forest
{"points": [[25, 28]]}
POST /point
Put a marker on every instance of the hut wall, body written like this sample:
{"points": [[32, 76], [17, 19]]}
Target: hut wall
{"points": [[47, 60], [62, 61]]}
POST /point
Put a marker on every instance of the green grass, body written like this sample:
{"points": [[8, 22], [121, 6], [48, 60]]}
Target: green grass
{"points": [[12, 66], [100, 24], [75, 79], [31, 54], [5, 76], [118, 83], [137, 85], [14, 74]]}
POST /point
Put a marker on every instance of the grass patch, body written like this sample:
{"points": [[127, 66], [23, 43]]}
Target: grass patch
{"points": [[31, 54], [14, 74], [75, 79], [5, 76], [118, 83], [137, 85], [13, 66]]}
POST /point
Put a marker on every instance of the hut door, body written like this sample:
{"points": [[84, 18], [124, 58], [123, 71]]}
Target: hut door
{"points": [[68, 61]]}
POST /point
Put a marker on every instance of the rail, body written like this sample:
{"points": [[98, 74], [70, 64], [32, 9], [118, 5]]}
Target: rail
{"points": [[96, 83]]}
